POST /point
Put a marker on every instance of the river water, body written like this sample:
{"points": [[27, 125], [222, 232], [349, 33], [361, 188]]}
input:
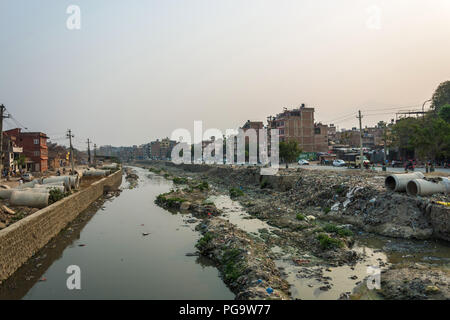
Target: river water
{"points": [[117, 261]]}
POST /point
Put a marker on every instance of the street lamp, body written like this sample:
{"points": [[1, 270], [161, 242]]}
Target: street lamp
{"points": [[423, 107]]}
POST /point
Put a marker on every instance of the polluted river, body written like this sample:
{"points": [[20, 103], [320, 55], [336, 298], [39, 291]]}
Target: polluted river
{"points": [[127, 247]]}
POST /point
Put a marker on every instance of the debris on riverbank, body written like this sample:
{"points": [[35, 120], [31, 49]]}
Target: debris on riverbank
{"points": [[415, 282], [315, 215], [243, 261], [131, 177]]}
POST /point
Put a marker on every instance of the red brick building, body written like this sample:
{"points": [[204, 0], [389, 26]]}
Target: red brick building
{"points": [[298, 125], [34, 146]]}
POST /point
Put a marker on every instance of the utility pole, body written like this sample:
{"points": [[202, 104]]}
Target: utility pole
{"points": [[2, 116], [72, 158], [95, 154], [361, 155], [89, 150]]}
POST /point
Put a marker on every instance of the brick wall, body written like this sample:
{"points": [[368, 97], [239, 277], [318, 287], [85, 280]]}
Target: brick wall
{"points": [[24, 238]]}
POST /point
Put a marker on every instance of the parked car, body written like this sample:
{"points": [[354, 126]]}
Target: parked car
{"points": [[27, 177], [303, 163], [339, 163], [397, 164]]}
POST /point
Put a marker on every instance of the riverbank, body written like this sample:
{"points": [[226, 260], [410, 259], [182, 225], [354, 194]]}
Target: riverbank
{"points": [[23, 239], [303, 212]]}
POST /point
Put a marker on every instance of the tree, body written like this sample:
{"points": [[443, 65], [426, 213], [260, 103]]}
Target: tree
{"points": [[441, 96], [444, 112], [289, 151], [428, 137]]}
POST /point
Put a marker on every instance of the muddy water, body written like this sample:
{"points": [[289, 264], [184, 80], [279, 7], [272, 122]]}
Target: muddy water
{"points": [[308, 282], [118, 261]]}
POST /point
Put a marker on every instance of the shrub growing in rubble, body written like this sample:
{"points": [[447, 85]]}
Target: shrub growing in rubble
{"points": [[235, 193], [178, 180], [327, 242], [300, 217], [202, 186], [55, 195], [343, 232]]}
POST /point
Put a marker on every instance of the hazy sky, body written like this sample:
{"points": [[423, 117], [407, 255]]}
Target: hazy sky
{"points": [[138, 69]]}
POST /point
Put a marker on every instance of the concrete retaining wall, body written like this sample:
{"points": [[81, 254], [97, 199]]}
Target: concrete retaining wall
{"points": [[23, 239]]}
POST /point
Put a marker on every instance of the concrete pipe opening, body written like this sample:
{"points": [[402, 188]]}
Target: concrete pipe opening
{"points": [[421, 187], [398, 182], [412, 188], [390, 183]]}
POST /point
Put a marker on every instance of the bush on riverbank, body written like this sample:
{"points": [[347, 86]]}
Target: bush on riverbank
{"points": [[236, 193], [327, 242]]}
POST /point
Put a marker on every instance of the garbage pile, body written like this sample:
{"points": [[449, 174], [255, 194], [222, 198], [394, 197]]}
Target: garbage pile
{"points": [[243, 262]]}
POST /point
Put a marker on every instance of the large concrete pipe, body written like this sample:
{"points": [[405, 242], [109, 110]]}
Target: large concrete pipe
{"points": [[421, 187], [30, 184], [61, 186], [110, 166], [29, 199], [64, 179], [398, 182], [96, 173], [6, 193], [74, 181], [48, 187]]}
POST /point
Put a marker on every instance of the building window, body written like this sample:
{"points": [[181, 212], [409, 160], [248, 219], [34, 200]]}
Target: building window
{"points": [[36, 153], [36, 141]]}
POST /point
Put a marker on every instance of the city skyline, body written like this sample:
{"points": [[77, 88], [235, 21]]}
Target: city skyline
{"points": [[222, 63]]}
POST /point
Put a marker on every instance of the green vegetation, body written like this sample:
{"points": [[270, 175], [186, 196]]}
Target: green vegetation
{"points": [[56, 195], [326, 209], [427, 136], [202, 186], [174, 202], [343, 232], [327, 242], [166, 175], [265, 184], [203, 242], [232, 268], [300, 217], [289, 151], [441, 96], [154, 170], [236, 193], [179, 180]]}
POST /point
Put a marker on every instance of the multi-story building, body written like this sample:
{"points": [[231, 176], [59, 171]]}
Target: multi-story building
{"points": [[298, 125], [34, 146], [11, 153]]}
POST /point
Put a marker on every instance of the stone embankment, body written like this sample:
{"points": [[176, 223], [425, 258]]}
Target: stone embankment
{"points": [[23, 239]]}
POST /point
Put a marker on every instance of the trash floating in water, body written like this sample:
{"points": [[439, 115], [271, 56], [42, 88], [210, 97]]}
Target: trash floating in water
{"points": [[269, 290], [82, 245], [259, 281], [145, 234]]}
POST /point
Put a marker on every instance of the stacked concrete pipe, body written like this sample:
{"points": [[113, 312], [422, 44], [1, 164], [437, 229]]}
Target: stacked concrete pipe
{"points": [[421, 187], [398, 182], [29, 199]]}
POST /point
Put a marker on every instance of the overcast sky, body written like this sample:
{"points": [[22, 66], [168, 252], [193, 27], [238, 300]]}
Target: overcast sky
{"points": [[138, 69]]}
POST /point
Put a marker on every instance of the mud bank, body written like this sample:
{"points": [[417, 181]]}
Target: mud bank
{"points": [[245, 256], [312, 217]]}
